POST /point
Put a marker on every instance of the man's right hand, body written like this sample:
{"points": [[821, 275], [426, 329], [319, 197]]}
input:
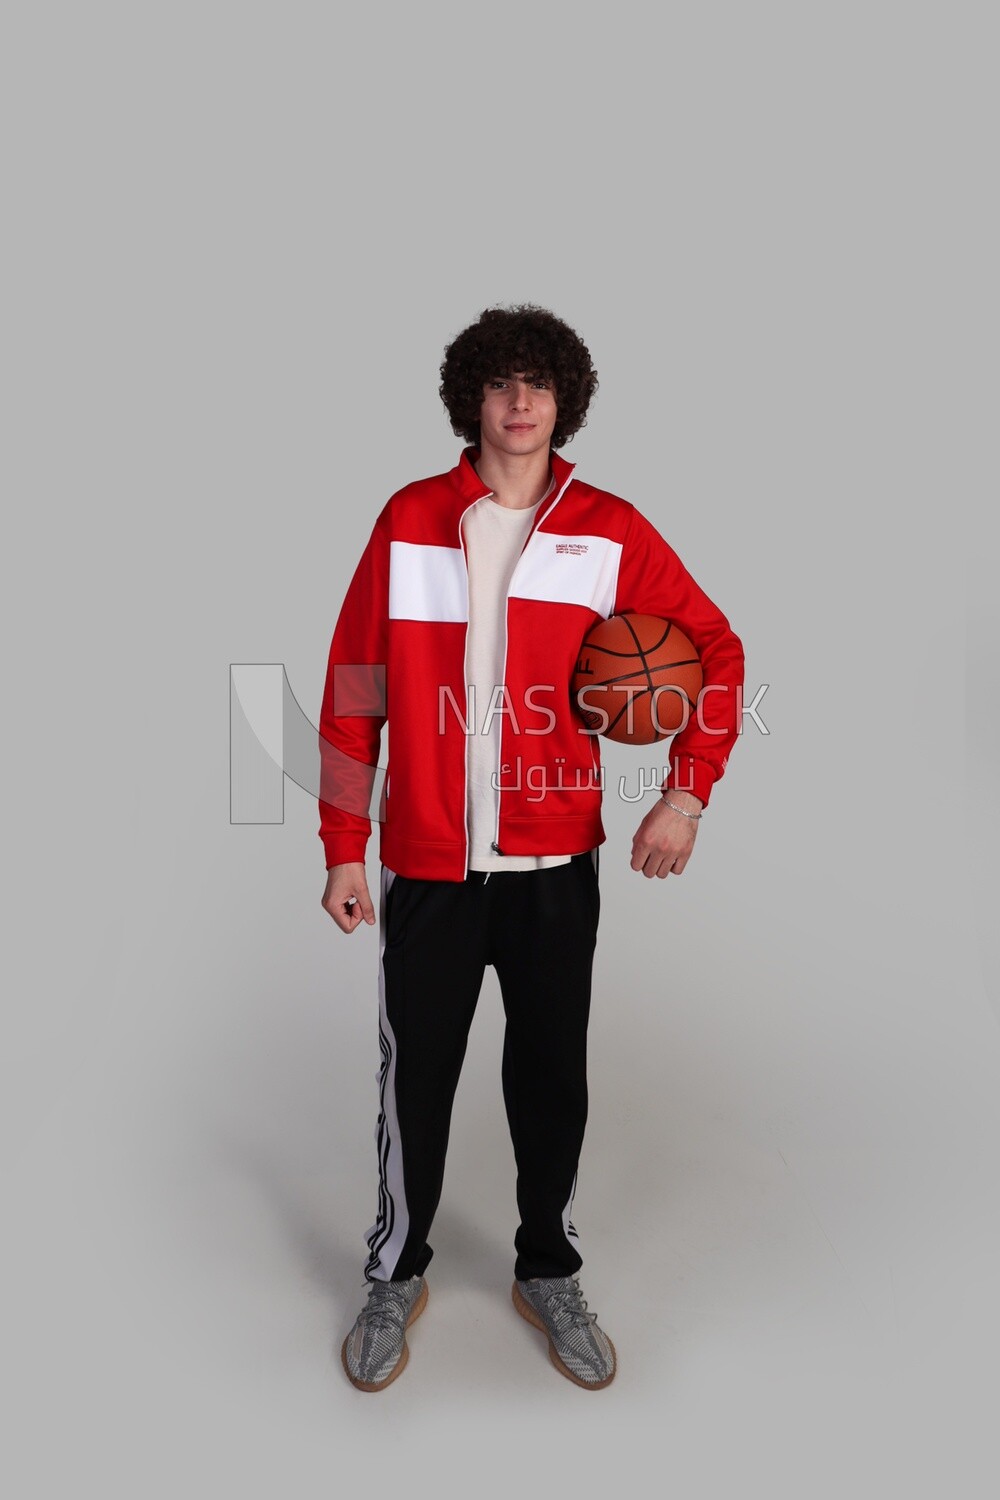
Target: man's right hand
{"points": [[342, 883]]}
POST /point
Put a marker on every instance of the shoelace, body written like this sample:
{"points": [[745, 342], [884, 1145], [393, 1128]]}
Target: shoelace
{"points": [[386, 1307], [569, 1303]]}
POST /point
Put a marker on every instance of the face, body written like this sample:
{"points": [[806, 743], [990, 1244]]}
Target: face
{"points": [[518, 414]]}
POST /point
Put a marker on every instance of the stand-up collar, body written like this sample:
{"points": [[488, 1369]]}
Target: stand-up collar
{"points": [[471, 487]]}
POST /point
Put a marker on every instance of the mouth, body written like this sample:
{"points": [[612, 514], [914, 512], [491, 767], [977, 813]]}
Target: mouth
{"points": [[519, 427]]}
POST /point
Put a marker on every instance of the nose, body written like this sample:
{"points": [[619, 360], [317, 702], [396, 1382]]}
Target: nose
{"points": [[520, 396]]}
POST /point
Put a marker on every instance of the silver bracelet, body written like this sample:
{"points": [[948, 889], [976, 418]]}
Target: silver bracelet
{"points": [[680, 810]]}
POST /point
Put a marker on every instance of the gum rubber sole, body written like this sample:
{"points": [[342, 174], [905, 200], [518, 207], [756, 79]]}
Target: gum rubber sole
{"points": [[402, 1361], [528, 1313]]}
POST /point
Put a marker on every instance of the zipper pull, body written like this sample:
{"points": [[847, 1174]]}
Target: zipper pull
{"points": [[496, 848]]}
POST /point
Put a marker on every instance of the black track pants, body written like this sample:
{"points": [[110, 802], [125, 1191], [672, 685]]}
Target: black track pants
{"points": [[538, 928]]}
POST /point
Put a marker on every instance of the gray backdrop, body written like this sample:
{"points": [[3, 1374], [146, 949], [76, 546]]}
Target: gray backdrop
{"points": [[238, 239]]}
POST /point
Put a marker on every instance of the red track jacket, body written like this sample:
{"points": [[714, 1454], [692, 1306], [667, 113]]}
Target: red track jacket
{"points": [[398, 654]]}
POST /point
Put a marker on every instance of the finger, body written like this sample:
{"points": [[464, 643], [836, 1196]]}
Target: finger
{"points": [[640, 853], [342, 913], [365, 907], [660, 863]]}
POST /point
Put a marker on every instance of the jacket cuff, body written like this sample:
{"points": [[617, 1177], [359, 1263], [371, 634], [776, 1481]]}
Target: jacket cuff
{"points": [[344, 848], [689, 775]]}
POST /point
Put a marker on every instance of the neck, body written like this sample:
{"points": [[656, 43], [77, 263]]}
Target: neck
{"points": [[518, 480]]}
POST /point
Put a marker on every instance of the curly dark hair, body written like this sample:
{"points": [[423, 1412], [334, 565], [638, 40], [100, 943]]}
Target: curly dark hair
{"points": [[508, 340]]}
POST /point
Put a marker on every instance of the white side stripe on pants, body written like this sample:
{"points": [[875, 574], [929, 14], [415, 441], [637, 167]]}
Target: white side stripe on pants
{"points": [[387, 1235], [569, 1229]]}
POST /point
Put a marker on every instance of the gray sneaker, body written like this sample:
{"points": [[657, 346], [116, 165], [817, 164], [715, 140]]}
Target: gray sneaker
{"points": [[577, 1347], [375, 1350]]}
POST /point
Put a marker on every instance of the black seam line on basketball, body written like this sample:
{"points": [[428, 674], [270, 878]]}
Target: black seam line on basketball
{"points": [[638, 647], [612, 722], [645, 650], [640, 693], [623, 708], [610, 650], [665, 687], [662, 666]]}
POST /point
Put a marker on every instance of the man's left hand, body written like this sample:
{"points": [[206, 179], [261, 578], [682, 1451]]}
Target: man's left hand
{"points": [[664, 839]]}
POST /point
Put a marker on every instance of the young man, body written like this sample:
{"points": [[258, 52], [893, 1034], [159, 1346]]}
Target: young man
{"points": [[461, 629]]}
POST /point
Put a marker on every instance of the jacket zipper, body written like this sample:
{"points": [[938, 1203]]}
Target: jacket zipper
{"points": [[503, 673], [465, 679]]}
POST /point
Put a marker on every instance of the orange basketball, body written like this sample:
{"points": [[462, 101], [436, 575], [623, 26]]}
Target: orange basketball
{"points": [[637, 679]]}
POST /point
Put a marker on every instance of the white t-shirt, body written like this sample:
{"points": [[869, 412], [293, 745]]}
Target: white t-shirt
{"points": [[494, 538]]}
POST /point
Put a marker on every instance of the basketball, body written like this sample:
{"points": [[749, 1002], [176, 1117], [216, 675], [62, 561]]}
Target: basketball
{"points": [[637, 679]]}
